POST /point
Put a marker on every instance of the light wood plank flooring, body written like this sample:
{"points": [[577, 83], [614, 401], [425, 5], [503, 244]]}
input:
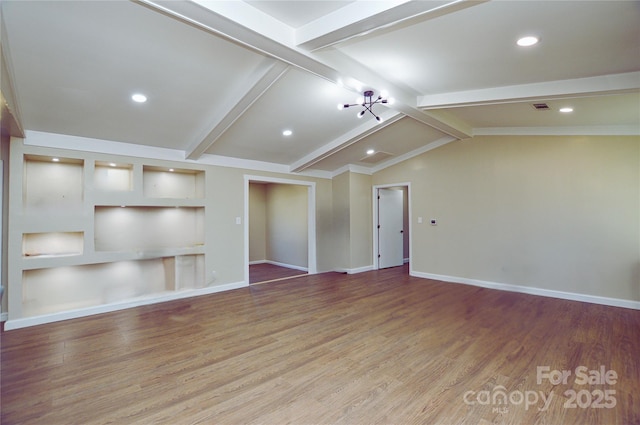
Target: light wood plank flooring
{"points": [[373, 348]]}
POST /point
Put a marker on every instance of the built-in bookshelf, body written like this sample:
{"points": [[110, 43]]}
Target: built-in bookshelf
{"points": [[99, 232]]}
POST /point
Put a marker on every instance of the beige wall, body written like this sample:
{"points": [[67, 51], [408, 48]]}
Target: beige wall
{"points": [[557, 213], [257, 222], [278, 224], [225, 202], [4, 157], [361, 216], [341, 220], [287, 224], [352, 221]]}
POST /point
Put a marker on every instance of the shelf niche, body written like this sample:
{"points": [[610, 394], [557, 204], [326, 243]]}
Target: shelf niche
{"points": [[52, 244], [163, 182], [113, 177], [52, 184], [58, 289], [134, 228]]}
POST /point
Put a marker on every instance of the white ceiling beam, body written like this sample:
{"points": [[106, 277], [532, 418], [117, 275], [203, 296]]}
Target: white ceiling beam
{"points": [[349, 21], [209, 20], [253, 88], [364, 17], [251, 17], [579, 87], [200, 16], [366, 129]]}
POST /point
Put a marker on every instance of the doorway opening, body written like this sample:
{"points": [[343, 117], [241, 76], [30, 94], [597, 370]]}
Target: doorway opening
{"points": [[391, 225], [279, 229]]}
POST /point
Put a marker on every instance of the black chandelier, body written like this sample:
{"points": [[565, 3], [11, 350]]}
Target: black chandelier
{"points": [[367, 103]]}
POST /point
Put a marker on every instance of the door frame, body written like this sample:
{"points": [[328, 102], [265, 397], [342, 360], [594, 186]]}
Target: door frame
{"points": [[376, 263], [311, 219]]}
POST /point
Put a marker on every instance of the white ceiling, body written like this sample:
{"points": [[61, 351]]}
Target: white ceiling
{"points": [[225, 78]]}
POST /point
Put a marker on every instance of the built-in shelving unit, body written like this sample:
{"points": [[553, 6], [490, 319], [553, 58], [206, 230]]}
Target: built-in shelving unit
{"points": [[163, 182], [52, 244], [99, 232], [113, 176]]}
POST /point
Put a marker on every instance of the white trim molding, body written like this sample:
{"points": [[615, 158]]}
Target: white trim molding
{"points": [[572, 296], [311, 218], [374, 197], [355, 270], [288, 266], [595, 130]]}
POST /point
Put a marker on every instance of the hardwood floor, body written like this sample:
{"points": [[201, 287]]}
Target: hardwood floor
{"points": [[373, 348], [265, 272]]}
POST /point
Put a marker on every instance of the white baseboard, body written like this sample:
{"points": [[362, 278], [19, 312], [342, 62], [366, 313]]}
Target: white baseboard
{"points": [[354, 271], [594, 299], [253, 263], [107, 308], [289, 266], [4, 317]]}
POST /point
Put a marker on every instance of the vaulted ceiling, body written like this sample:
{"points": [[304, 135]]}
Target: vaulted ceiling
{"points": [[224, 79]]}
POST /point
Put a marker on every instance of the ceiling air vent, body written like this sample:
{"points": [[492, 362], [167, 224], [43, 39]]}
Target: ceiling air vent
{"points": [[541, 106]]}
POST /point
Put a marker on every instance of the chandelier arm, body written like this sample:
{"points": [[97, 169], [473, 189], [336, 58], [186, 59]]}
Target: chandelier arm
{"points": [[368, 108], [367, 104]]}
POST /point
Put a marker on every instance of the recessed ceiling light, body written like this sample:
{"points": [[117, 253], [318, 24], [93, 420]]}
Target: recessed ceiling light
{"points": [[528, 41], [55, 159], [112, 164], [370, 152], [566, 109], [139, 98], [171, 170], [287, 133]]}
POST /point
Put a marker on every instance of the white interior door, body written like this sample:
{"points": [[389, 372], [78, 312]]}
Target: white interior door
{"points": [[390, 233]]}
